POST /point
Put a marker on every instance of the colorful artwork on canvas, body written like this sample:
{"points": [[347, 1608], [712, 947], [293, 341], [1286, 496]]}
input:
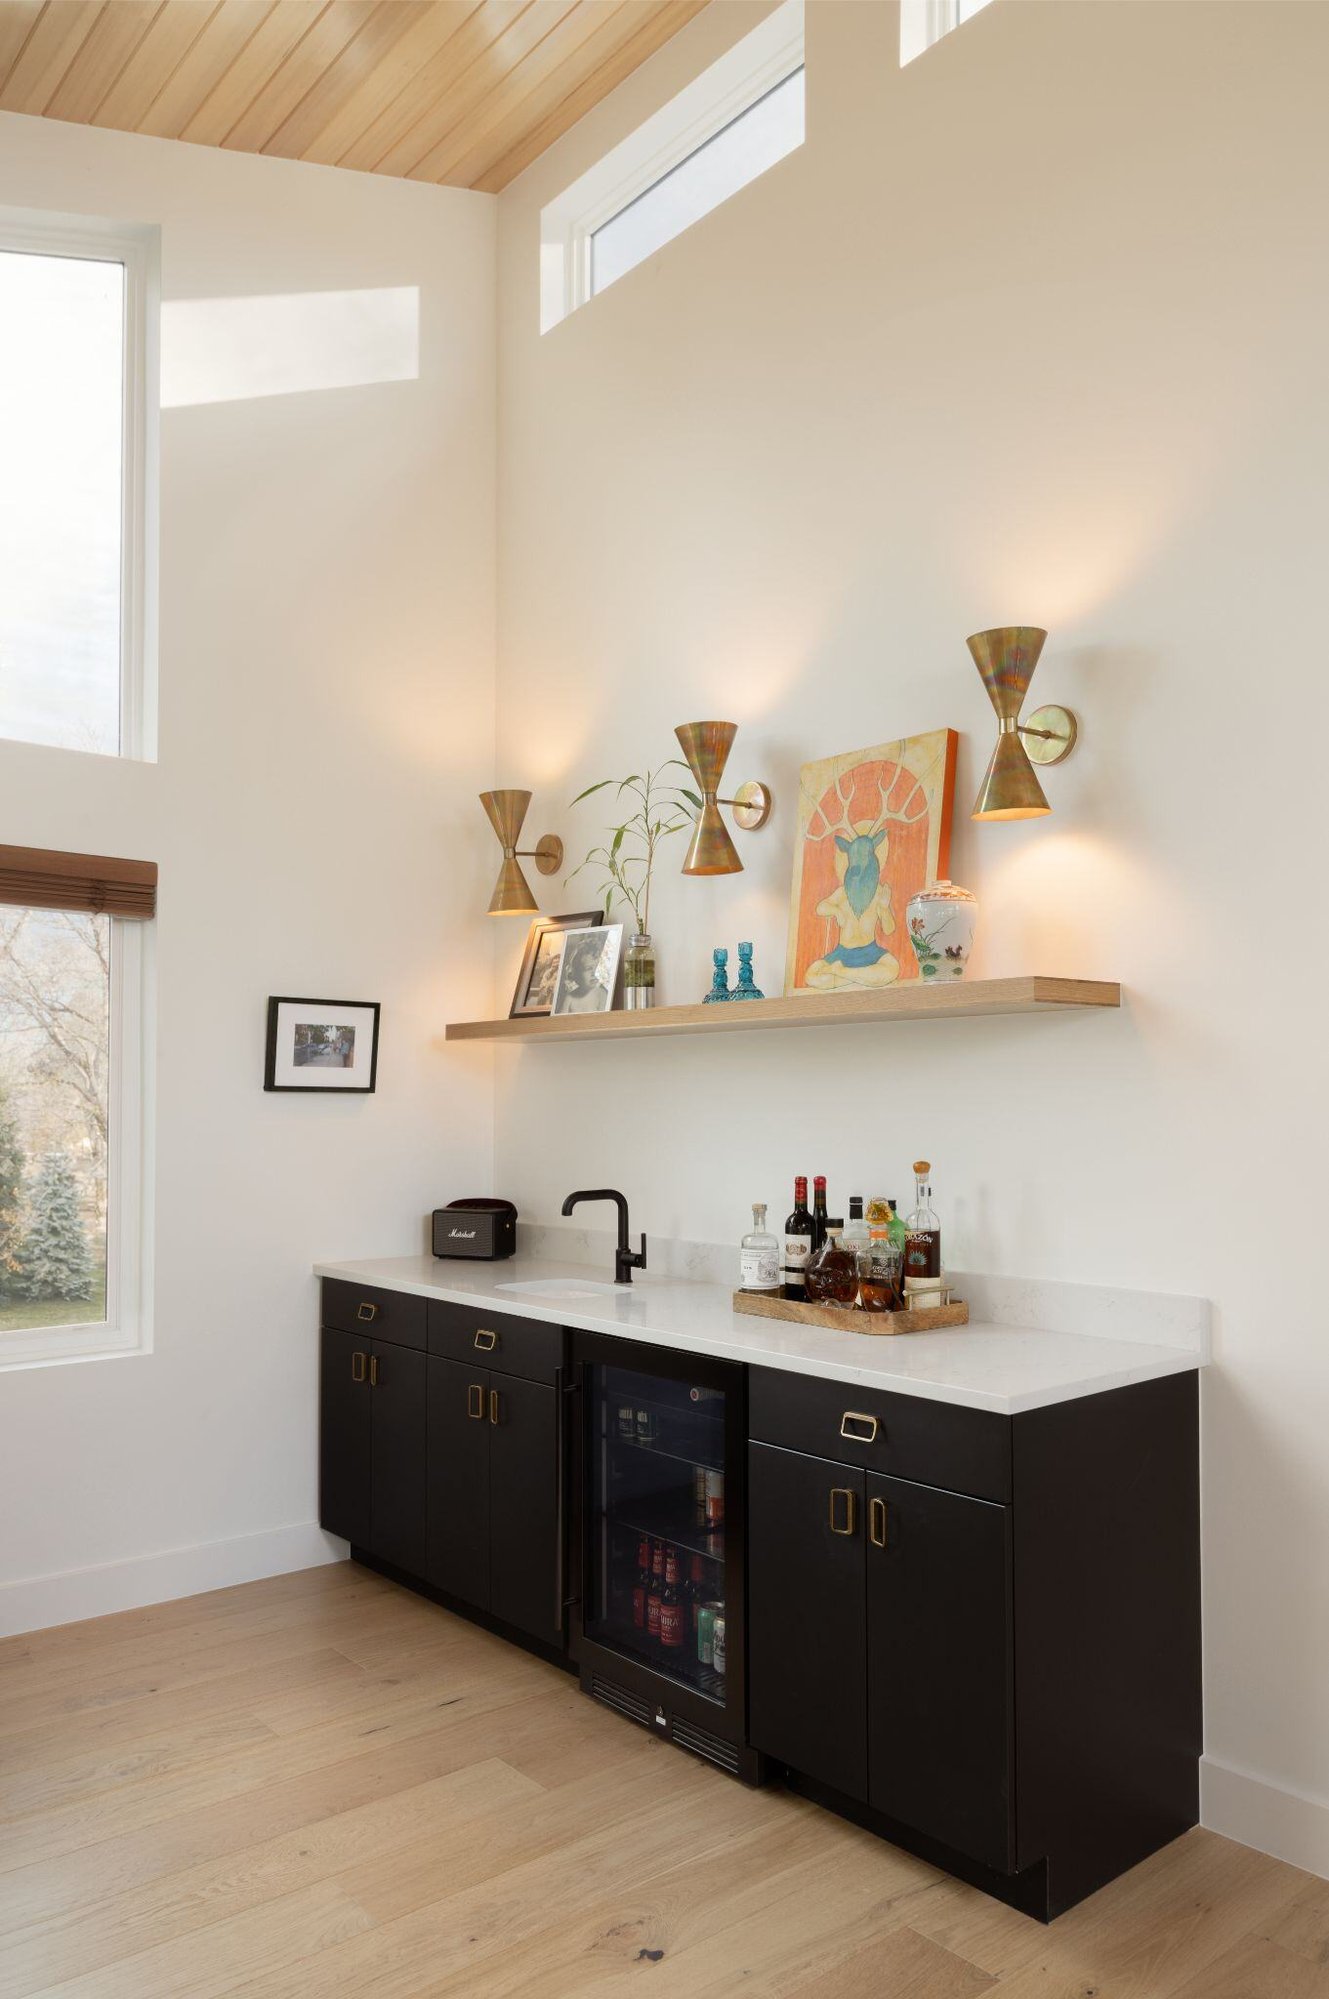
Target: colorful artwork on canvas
{"points": [[873, 827]]}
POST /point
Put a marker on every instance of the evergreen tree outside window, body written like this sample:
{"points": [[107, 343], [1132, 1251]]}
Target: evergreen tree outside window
{"points": [[55, 1058]]}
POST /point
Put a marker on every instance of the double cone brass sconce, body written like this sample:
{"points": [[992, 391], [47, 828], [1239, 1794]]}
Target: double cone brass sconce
{"points": [[512, 892], [1006, 658], [706, 745]]}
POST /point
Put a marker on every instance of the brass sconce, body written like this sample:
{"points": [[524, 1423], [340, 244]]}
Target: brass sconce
{"points": [[1006, 659], [706, 745], [512, 892]]}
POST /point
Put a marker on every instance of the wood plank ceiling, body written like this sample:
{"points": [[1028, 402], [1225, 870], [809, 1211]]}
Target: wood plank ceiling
{"points": [[464, 93]]}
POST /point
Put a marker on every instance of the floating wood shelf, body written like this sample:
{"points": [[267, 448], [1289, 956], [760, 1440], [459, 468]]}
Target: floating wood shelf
{"points": [[910, 1001]]}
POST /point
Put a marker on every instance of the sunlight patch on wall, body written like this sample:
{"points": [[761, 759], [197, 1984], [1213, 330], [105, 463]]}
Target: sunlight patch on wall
{"points": [[223, 350]]}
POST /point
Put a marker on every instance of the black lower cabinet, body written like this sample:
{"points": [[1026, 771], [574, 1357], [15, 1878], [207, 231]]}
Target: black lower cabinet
{"points": [[880, 1620], [1005, 1679], [524, 1519], [807, 1616], [494, 1518], [399, 1463], [345, 1436], [458, 1508], [939, 1679], [372, 1447]]}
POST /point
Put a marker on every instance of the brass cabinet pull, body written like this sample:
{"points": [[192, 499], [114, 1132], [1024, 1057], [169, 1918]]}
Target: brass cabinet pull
{"points": [[485, 1340], [877, 1522], [475, 1402], [357, 1367], [367, 1311], [493, 1405], [867, 1435], [373, 1370], [846, 1494]]}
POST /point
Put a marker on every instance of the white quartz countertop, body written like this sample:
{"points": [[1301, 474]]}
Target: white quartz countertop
{"points": [[982, 1366]]}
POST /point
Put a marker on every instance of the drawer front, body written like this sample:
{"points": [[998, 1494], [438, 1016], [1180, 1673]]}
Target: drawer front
{"points": [[932, 1443], [509, 1345], [364, 1309]]}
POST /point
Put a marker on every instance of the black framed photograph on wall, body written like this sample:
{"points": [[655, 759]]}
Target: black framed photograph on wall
{"points": [[322, 1045]]}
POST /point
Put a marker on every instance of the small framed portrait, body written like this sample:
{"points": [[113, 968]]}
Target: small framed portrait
{"points": [[322, 1045], [588, 972], [537, 981]]}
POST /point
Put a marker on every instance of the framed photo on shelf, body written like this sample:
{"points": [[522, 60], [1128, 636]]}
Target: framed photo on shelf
{"points": [[588, 970], [537, 981], [322, 1045]]}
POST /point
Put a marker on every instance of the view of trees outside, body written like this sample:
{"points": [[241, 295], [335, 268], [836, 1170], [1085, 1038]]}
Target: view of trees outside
{"points": [[54, 1056]]}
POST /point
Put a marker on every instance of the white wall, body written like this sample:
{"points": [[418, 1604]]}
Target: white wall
{"points": [[1031, 331], [326, 719]]}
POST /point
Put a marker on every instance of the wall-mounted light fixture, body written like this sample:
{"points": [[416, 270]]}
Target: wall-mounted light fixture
{"points": [[706, 745], [1006, 658], [512, 892]]}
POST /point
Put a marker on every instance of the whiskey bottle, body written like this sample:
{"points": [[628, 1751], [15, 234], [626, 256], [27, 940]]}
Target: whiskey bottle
{"points": [[833, 1272], [922, 1247], [797, 1243], [759, 1255]]}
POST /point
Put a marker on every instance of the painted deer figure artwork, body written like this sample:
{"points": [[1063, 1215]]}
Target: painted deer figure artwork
{"points": [[874, 826]]}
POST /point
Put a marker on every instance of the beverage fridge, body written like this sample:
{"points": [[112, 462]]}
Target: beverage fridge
{"points": [[660, 1629]]}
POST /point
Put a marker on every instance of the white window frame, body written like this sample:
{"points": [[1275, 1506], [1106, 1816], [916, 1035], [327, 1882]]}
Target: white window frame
{"points": [[127, 1327], [923, 23], [768, 56], [36, 232]]}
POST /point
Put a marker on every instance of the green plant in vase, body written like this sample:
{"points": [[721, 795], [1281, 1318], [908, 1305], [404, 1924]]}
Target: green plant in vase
{"points": [[626, 865]]}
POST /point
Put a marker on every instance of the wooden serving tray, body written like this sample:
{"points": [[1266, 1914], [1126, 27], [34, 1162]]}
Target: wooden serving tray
{"points": [[764, 1305]]}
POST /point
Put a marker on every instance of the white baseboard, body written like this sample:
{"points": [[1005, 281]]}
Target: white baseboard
{"points": [[67, 1598], [1259, 1814]]}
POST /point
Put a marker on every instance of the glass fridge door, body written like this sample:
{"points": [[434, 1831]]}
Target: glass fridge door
{"points": [[656, 1499]]}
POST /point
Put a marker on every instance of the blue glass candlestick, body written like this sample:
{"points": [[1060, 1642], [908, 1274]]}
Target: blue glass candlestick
{"points": [[719, 977], [745, 988]]}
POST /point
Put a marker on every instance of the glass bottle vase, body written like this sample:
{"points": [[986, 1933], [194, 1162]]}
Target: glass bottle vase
{"points": [[639, 972]]}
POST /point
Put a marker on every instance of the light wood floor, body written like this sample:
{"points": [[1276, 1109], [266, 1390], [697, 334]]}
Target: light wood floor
{"points": [[322, 1785]]}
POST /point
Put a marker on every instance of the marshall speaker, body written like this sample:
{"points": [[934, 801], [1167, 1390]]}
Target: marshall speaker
{"points": [[482, 1228]]}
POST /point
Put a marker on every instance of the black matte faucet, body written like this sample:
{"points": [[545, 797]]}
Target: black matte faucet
{"points": [[625, 1260]]}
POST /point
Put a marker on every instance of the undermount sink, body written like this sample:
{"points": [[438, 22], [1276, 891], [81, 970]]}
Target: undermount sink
{"points": [[564, 1287]]}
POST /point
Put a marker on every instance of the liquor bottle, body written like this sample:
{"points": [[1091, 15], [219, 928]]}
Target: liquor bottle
{"points": [[899, 1233], [759, 1255], [833, 1271], [797, 1243], [641, 1589], [818, 1212], [656, 1594], [922, 1249], [673, 1616], [879, 1272], [855, 1233]]}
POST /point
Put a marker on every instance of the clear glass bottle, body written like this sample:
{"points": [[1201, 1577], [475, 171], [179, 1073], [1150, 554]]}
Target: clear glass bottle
{"points": [[855, 1233], [922, 1248], [879, 1273], [832, 1277], [759, 1255], [639, 972]]}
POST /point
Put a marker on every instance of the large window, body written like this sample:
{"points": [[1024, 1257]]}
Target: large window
{"points": [[924, 22], [72, 1126], [74, 430], [731, 124]]}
